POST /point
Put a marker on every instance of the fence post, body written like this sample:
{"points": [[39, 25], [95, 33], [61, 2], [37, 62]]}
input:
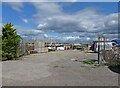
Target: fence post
{"points": [[104, 47], [98, 48], [24, 46]]}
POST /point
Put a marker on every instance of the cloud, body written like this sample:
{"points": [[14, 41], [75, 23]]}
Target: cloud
{"points": [[25, 20], [60, 0], [46, 10], [40, 0], [86, 23], [70, 38], [17, 6], [75, 37], [83, 25], [27, 31], [50, 16], [80, 22], [111, 21], [32, 32], [45, 35]]}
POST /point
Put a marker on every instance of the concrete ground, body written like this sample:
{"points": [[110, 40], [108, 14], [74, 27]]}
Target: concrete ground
{"points": [[56, 69]]}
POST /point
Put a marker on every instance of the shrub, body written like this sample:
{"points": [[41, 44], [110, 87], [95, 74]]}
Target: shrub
{"points": [[114, 64]]}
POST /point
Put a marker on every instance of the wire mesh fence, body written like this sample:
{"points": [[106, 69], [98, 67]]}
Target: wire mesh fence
{"points": [[21, 48], [111, 55]]}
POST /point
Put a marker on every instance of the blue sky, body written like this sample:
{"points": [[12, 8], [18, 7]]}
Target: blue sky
{"points": [[64, 22], [16, 17], [103, 7]]}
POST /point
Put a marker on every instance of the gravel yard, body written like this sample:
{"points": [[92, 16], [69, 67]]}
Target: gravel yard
{"points": [[56, 69]]}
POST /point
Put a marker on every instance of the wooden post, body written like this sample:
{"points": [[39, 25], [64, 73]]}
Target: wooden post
{"points": [[104, 47], [24, 45], [98, 49]]}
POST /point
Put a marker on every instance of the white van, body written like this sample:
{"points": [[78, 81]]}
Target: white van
{"points": [[60, 48]]}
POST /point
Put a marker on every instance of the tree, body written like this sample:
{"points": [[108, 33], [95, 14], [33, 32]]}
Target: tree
{"points": [[10, 41]]}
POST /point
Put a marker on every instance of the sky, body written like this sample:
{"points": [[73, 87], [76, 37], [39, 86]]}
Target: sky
{"points": [[68, 22]]}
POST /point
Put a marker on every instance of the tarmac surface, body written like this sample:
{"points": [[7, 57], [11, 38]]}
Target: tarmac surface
{"points": [[56, 69]]}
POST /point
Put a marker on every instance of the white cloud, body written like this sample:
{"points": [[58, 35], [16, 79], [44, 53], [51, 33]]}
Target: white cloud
{"points": [[40, 0], [70, 37], [45, 35], [85, 23], [42, 25], [27, 31], [12, 0], [25, 20], [111, 20], [46, 10], [50, 16], [17, 6], [32, 32], [60, 0]]}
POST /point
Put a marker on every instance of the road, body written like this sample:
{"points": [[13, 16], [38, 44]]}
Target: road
{"points": [[56, 69]]}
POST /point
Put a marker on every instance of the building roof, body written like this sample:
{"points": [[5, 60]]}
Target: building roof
{"points": [[99, 41], [116, 41]]}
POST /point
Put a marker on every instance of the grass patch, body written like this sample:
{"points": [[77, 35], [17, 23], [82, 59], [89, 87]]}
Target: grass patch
{"points": [[90, 62]]}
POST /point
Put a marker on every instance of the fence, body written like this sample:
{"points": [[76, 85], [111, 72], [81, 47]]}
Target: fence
{"points": [[21, 48], [110, 55]]}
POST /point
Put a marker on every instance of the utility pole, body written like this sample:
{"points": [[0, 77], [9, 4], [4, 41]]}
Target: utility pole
{"points": [[98, 48], [104, 47]]}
